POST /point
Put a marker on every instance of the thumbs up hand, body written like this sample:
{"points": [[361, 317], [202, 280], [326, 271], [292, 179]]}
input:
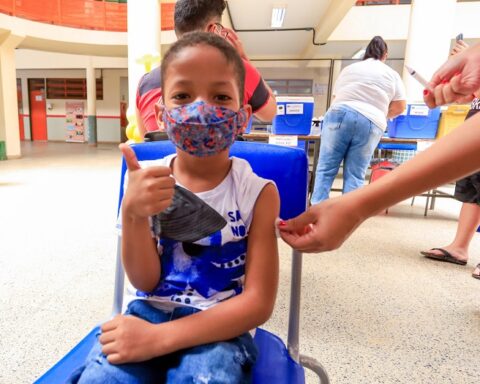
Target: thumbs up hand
{"points": [[150, 190]]}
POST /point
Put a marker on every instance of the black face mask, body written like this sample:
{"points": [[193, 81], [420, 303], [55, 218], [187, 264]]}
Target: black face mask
{"points": [[187, 219]]}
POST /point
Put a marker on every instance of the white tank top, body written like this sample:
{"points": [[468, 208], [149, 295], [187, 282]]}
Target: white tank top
{"points": [[213, 269]]}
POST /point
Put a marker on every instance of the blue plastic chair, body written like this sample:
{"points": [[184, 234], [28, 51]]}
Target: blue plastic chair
{"points": [[278, 364]]}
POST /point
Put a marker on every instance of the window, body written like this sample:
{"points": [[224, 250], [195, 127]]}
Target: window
{"points": [[36, 84], [291, 87], [71, 89]]}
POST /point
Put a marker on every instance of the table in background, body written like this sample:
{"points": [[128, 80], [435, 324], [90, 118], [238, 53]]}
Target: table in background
{"points": [[264, 137]]}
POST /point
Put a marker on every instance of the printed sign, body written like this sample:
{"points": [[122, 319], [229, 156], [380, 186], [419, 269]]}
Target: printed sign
{"points": [[423, 145], [294, 109], [280, 109], [74, 121], [285, 140], [418, 110]]}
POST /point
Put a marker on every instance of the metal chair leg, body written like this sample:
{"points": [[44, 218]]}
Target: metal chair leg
{"points": [[315, 366], [432, 203], [426, 204], [294, 322]]}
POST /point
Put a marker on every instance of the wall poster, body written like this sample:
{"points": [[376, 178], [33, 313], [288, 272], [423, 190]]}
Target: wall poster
{"points": [[75, 122]]}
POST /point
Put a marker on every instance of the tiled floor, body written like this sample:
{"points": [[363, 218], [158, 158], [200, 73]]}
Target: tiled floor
{"points": [[374, 311]]}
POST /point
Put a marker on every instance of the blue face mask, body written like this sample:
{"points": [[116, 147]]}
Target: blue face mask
{"points": [[201, 129]]}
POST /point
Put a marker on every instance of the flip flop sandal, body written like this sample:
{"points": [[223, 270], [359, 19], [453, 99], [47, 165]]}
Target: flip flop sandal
{"points": [[474, 275], [445, 256]]}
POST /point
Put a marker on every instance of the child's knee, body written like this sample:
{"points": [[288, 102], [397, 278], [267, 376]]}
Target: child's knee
{"points": [[223, 362]]}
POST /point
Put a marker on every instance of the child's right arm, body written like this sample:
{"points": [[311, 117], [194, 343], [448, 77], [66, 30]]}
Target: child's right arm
{"points": [[149, 192]]}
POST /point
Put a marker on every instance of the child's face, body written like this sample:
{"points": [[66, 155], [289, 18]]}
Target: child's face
{"points": [[201, 73]]}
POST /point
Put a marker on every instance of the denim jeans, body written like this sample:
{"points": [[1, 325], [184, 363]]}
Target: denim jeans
{"points": [[349, 136], [227, 362]]}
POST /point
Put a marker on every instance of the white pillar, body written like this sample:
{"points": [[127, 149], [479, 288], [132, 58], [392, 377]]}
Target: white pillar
{"points": [[143, 39], [91, 104], [429, 36], [9, 129]]}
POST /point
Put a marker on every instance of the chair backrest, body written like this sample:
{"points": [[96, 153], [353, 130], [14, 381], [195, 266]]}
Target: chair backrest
{"points": [[287, 167]]}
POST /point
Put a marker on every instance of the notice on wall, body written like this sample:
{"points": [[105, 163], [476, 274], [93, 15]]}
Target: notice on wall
{"points": [[285, 140], [75, 121], [295, 109]]}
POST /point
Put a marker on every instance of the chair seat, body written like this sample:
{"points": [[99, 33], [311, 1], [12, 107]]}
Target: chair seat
{"points": [[62, 370], [274, 364]]}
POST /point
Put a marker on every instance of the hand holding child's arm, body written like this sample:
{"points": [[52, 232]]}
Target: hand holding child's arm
{"points": [[149, 192], [327, 225]]}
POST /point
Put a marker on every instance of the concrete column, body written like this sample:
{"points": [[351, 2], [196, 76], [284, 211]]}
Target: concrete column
{"points": [[91, 104], [9, 130], [143, 39], [429, 37]]}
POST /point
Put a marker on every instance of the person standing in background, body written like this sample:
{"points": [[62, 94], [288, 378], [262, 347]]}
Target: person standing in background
{"points": [[467, 191], [204, 16], [366, 94], [326, 226]]}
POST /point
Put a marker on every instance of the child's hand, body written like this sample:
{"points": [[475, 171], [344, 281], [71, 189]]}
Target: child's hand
{"points": [[128, 339], [149, 191]]}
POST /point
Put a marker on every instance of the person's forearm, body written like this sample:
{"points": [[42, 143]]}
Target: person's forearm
{"points": [[225, 321], [393, 112], [139, 255], [449, 159], [139, 121], [268, 111]]}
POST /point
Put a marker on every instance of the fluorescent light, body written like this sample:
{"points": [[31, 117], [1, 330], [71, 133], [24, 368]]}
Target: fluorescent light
{"points": [[278, 16], [359, 54]]}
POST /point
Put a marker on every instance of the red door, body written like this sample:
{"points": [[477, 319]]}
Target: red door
{"points": [[38, 115]]}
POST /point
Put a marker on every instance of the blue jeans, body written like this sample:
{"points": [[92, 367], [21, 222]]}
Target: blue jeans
{"points": [[228, 361], [349, 136]]}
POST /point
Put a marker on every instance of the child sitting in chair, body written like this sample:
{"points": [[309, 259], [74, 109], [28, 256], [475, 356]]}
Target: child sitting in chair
{"points": [[191, 305]]}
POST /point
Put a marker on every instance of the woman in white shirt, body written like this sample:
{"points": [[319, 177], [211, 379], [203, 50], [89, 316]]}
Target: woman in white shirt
{"points": [[366, 94]]}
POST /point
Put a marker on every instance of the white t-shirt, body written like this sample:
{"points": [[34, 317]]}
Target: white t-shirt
{"points": [[368, 87], [215, 270]]}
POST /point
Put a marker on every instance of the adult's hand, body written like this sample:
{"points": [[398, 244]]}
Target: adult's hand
{"points": [[459, 47], [233, 39], [323, 227], [457, 80]]}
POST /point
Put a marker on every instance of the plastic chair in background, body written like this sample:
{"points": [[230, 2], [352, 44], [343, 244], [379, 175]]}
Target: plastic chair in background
{"points": [[288, 168]]}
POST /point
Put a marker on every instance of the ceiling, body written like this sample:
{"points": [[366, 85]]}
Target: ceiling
{"points": [[311, 17], [322, 16]]}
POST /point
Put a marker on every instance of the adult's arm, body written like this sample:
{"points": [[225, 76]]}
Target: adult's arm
{"points": [[268, 111], [140, 126], [396, 108], [327, 225]]}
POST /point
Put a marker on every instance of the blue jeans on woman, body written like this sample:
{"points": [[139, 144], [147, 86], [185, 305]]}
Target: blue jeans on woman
{"points": [[226, 362], [349, 136]]}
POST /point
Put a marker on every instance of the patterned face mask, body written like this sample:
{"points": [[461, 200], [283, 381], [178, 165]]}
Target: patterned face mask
{"points": [[201, 129]]}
